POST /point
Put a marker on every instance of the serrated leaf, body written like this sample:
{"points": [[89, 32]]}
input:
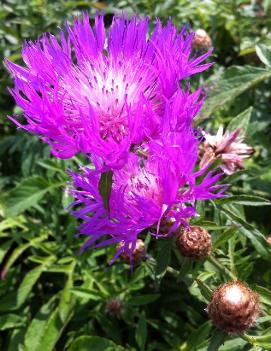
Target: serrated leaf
{"points": [[241, 121], [93, 343], [255, 236], [11, 321], [105, 187], [26, 195], [233, 82], [12, 223], [264, 54]]}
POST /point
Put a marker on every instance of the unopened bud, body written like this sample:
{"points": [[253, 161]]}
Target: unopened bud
{"points": [[194, 242], [114, 307], [201, 40], [234, 307], [138, 254], [268, 239]]}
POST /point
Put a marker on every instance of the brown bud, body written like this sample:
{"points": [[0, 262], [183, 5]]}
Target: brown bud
{"points": [[234, 307], [201, 40], [164, 227], [114, 307], [138, 254], [268, 239], [194, 242]]}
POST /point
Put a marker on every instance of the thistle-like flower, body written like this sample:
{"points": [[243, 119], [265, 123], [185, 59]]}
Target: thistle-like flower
{"points": [[227, 147], [161, 186], [102, 93]]}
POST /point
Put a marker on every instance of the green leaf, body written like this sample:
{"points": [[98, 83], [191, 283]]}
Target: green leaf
{"points": [[236, 344], [199, 335], [141, 332], [34, 333], [27, 194], [263, 341], [225, 236], [93, 343], [241, 121], [4, 249], [204, 289], [143, 299], [255, 236], [50, 332], [105, 187], [15, 300], [233, 82], [163, 257], [246, 200], [264, 54], [216, 340], [12, 223], [18, 252], [87, 294], [11, 321], [264, 293]]}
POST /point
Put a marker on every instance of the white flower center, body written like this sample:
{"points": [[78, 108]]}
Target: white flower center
{"points": [[234, 295]]}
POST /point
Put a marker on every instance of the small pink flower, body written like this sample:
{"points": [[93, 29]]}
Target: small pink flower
{"points": [[228, 147]]}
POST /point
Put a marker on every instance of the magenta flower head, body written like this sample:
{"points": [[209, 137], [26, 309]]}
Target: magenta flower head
{"points": [[101, 93], [147, 191]]}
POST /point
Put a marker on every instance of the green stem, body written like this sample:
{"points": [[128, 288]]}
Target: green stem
{"points": [[248, 338], [222, 268]]}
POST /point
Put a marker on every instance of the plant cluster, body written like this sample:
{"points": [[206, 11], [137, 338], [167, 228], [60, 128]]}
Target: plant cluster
{"points": [[153, 159]]}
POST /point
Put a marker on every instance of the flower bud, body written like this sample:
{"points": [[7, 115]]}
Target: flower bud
{"points": [[138, 254], [194, 242], [228, 147], [164, 227], [268, 239], [234, 307], [201, 40], [114, 307]]}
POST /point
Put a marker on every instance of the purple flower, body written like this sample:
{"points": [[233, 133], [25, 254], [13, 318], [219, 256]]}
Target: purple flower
{"points": [[101, 93], [159, 187]]}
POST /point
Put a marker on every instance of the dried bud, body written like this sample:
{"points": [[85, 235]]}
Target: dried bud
{"points": [[228, 147], [138, 254], [114, 307], [234, 307], [201, 40], [194, 242]]}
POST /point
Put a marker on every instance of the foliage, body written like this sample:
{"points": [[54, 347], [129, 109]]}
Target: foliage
{"points": [[52, 298]]}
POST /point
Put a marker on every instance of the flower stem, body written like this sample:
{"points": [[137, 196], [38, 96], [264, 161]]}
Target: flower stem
{"points": [[222, 268]]}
